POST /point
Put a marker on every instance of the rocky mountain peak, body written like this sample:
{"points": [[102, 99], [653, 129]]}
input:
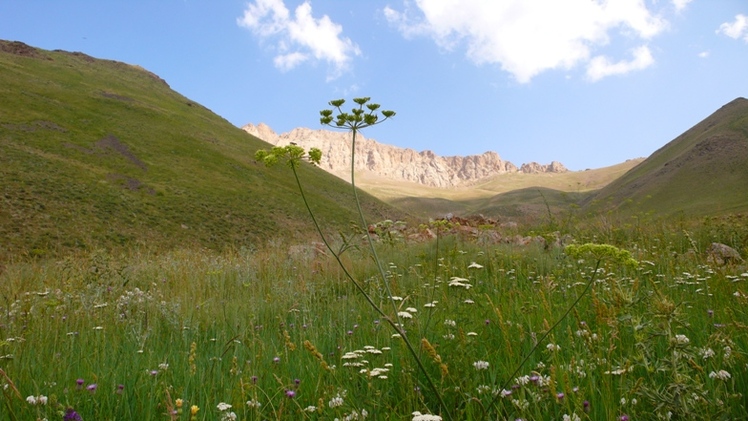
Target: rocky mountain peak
{"points": [[396, 163]]}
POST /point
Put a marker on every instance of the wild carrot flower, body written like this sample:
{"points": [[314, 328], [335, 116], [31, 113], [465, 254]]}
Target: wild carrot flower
{"points": [[417, 416], [31, 400], [223, 406], [475, 266]]}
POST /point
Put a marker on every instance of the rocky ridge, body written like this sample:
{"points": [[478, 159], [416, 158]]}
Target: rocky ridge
{"points": [[396, 163]]}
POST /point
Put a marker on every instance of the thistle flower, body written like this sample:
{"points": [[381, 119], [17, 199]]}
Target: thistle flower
{"points": [[71, 415]]}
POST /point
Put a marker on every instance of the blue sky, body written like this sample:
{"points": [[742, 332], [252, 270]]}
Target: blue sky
{"points": [[584, 82]]}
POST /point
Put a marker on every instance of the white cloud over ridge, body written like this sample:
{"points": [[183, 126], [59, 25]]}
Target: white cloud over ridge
{"points": [[528, 37], [736, 29], [299, 37]]}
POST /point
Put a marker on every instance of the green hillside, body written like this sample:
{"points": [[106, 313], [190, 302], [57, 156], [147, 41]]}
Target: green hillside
{"points": [[704, 171], [98, 153]]}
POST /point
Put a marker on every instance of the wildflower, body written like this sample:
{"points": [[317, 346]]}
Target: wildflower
{"points": [[194, 409], [480, 365], [553, 347], [253, 403], [71, 415], [290, 394], [229, 416], [623, 417], [707, 353], [41, 399], [475, 266], [469, 301], [572, 417], [586, 406], [459, 282], [417, 416], [310, 408], [405, 315], [223, 406], [450, 322], [120, 388], [560, 395], [472, 334], [163, 366], [720, 375], [681, 339], [79, 383], [411, 310], [335, 402], [31, 400], [91, 387], [431, 304], [179, 403], [276, 360], [153, 372]]}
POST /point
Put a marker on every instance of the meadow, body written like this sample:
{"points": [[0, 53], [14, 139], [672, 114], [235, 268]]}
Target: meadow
{"points": [[264, 334]]}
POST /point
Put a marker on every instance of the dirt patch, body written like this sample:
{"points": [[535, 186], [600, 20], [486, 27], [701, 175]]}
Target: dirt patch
{"points": [[116, 96], [129, 183], [111, 143], [20, 49], [35, 125]]}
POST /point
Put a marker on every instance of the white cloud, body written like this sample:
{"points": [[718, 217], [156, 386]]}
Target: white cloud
{"points": [[680, 4], [600, 66], [527, 38], [300, 37], [736, 29], [704, 54]]}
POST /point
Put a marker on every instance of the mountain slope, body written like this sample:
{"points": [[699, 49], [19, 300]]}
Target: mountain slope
{"points": [[702, 171], [98, 153], [378, 160]]}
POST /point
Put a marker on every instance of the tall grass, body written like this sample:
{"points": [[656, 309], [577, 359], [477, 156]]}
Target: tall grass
{"points": [[289, 333]]}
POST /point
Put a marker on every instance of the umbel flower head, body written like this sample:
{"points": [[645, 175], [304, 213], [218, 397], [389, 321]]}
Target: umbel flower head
{"points": [[292, 154], [363, 115]]}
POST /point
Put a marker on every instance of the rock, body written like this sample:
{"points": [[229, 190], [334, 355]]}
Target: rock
{"points": [[722, 254], [395, 163]]}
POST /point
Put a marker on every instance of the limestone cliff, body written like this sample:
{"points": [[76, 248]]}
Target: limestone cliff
{"points": [[392, 162]]}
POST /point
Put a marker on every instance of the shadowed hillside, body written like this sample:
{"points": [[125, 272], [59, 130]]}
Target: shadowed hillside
{"points": [[98, 153], [704, 171]]}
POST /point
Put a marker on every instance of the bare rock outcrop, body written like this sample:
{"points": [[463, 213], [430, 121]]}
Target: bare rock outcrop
{"points": [[391, 162]]}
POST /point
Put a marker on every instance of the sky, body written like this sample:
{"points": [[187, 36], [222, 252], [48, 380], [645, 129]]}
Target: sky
{"points": [[588, 83]]}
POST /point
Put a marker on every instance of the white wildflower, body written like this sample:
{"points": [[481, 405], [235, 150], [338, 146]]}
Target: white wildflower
{"points": [[310, 408], [223, 406], [417, 416], [553, 347], [335, 402], [720, 375], [31, 400], [405, 315], [707, 353], [254, 403], [681, 339], [481, 365], [475, 266]]}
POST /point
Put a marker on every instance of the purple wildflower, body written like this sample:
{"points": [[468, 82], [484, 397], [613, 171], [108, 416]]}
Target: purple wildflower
{"points": [[80, 382], [91, 387], [291, 394], [71, 415]]}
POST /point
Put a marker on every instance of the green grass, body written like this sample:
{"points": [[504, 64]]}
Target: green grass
{"points": [[98, 153], [207, 328]]}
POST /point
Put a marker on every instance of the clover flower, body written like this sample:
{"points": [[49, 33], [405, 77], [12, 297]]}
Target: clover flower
{"points": [[481, 365], [335, 402], [720, 375]]}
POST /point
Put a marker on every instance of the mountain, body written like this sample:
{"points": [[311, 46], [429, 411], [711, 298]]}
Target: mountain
{"points": [[375, 159], [704, 171], [103, 154]]}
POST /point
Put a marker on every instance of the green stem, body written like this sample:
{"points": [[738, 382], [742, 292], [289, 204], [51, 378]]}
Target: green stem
{"points": [[510, 379], [398, 325]]}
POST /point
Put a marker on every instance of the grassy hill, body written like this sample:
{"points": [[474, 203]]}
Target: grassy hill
{"points": [[98, 153], [506, 195], [704, 171]]}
